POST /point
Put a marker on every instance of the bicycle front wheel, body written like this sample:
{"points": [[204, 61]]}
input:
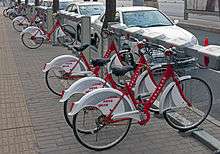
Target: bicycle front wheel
{"points": [[99, 135], [182, 116]]}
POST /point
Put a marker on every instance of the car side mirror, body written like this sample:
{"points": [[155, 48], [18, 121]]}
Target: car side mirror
{"points": [[176, 22]]}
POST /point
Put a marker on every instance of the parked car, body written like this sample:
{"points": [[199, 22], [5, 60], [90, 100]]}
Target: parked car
{"points": [[150, 20], [62, 3], [92, 9]]}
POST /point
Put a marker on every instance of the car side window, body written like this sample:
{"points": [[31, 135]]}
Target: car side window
{"points": [[69, 8], [74, 9]]}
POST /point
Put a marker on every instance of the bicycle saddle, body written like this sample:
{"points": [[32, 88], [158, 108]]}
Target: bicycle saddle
{"points": [[100, 62], [81, 48], [121, 71]]}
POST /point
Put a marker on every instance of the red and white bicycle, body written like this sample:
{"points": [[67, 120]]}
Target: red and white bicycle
{"points": [[21, 22], [64, 70], [33, 37], [102, 117]]}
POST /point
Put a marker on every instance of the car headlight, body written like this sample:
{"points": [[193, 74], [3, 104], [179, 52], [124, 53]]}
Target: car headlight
{"points": [[194, 40]]}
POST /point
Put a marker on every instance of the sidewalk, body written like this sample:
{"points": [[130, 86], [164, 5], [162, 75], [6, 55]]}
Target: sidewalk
{"points": [[32, 119]]}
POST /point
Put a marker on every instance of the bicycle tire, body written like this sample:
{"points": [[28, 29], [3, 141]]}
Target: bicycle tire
{"points": [[16, 28], [68, 121], [5, 13], [39, 43], [103, 147], [49, 84], [178, 120]]}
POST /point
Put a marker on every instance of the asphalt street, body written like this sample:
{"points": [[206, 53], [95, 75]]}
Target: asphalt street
{"points": [[176, 8], [212, 77]]}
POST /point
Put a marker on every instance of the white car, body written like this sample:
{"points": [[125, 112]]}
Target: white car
{"points": [[151, 22], [92, 9], [62, 3]]}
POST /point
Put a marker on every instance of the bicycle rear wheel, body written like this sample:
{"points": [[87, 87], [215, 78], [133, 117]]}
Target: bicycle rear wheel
{"points": [[183, 117], [99, 136], [18, 26], [5, 12], [30, 41]]}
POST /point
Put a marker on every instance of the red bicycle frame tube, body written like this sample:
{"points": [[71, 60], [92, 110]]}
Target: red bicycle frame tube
{"points": [[169, 73], [55, 26], [111, 48]]}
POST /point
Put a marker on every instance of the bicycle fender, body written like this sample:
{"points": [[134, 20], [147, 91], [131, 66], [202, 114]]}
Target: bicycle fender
{"points": [[84, 86], [66, 62], [34, 31], [105, 99], [171, 97]]}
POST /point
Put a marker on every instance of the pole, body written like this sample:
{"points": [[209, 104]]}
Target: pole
{"points": [[186, 15], [109, 12], [37, 3], [26, 2]]}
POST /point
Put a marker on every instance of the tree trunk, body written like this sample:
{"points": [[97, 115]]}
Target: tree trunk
{"points": [[151, 3], [55, 6], [37, 3], [109, 12], [210, 5]]}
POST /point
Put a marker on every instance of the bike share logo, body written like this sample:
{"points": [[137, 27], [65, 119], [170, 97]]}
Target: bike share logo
{"points": [[111, 99]]}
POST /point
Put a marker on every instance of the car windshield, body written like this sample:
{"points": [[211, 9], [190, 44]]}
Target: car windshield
{"points": [[91, 10], [144, 19], [63, 5]]}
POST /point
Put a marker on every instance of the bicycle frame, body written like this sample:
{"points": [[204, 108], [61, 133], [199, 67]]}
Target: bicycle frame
{"points": [[112, 48], [127, 91], [52, 30]]}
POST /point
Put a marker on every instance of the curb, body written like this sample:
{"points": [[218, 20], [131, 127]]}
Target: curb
{"points": [[204, 137], [200, 134], [199, 27], [203, 25], [207, 139]]}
